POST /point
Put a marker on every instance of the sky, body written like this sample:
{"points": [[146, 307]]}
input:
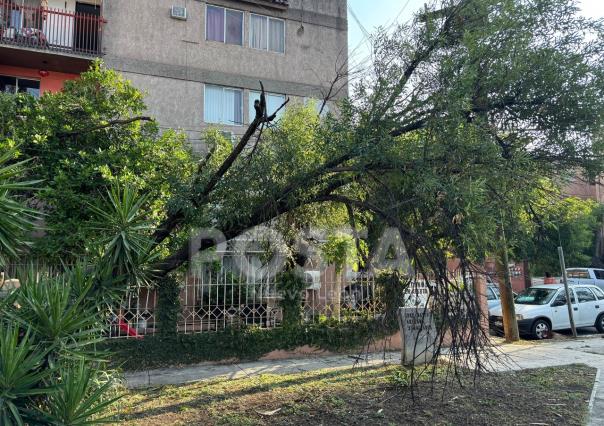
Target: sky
{"points": [[373, 13]]}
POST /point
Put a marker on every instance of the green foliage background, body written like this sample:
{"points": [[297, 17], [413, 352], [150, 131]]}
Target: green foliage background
{"points": [[77, 163]]}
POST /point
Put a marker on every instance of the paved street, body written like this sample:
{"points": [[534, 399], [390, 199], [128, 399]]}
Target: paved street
{"points": [[587, 349]]}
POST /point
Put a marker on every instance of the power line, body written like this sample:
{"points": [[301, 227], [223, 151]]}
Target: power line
{"points": [[367, 36], [358, 21], [400, 13]]}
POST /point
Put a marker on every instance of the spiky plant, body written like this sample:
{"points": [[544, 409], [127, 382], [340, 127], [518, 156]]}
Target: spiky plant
{"points": [[16, 219]]}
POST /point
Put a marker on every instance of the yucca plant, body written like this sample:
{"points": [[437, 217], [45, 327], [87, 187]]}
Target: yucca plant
{"points": [[97, 282], [81, 398], [16, 219], [22, 375], [58, 316], [126, 244], [50, 368]]}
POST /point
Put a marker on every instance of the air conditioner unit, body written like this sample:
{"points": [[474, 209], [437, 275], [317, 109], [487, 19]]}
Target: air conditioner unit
{"points": [[178, 12], [312, 280]]}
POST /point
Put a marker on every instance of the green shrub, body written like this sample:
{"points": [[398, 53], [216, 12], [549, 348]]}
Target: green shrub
{"points": [[291, 286], [242, 344], [51, 370]]}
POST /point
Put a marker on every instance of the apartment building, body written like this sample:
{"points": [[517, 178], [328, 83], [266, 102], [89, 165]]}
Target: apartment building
{"points": [[45, 42], [199, 62]]}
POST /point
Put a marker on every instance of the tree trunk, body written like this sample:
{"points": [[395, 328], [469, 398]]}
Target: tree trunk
{"points": [[480, 294], [510, 324], [526, 268], [337, 294]]}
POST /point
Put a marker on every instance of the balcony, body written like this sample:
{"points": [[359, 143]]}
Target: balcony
{"points": [[49, 38]]}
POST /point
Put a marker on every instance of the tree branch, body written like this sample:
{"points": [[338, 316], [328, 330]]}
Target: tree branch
{"points": [[111, 123], [174, 220], [268, 210]]}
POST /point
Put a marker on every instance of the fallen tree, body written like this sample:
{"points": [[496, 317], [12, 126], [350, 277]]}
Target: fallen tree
{"points": [[463, 113]]}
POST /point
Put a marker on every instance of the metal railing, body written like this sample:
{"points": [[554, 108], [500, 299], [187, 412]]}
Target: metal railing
{"points": [[218, 296], [50, 29], [231, 293]]}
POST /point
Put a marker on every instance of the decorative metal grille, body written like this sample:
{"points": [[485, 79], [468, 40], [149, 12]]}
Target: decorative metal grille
{"points": [[231, 293]]}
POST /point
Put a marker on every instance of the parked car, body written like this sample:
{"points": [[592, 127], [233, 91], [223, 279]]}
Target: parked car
{"points": [[593, 276], [542, 309], [493, 295]]}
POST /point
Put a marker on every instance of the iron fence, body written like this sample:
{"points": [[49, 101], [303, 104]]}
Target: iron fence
{"points": [[231, 293], [218, 295]]}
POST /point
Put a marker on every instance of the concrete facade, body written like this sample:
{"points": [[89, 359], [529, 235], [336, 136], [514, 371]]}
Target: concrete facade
{"points": [[171, 60], [581, 188]]}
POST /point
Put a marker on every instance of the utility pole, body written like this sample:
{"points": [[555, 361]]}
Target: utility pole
{"points": [[510, 324], [567, 291]]}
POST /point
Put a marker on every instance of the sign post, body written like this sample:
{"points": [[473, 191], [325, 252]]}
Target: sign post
{"points": [[567, 291]]}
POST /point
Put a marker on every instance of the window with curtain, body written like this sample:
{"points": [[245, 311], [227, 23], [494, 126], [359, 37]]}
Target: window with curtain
{"points": [[215, 23], [224, 25], [276, 35], [258, 32], [273, 102], [223, 105], [19, 85], [267, 33]]}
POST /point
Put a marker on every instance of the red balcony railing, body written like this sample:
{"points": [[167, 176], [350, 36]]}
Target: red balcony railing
{"points": [[50, 29]]}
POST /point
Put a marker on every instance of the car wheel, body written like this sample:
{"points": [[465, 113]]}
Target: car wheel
{"points": [[541, 329], [600, 323]]}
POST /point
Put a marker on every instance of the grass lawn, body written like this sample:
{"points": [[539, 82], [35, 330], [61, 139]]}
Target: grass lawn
{"points": [[548, 396]]}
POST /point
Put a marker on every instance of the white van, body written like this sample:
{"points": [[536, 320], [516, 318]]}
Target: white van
{"points": [[542, 309], [593, 276]]}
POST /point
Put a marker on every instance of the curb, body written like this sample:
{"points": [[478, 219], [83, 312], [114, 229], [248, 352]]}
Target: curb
{"points": [[594, 391]]}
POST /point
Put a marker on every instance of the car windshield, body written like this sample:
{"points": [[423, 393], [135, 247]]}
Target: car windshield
{"points": [[535, 296]]}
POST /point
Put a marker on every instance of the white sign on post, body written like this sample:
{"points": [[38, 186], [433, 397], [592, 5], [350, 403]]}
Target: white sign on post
{"points": [[418, 333]]}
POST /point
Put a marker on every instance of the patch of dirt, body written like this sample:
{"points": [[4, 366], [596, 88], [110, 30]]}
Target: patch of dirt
{"points": [[549, 396]]}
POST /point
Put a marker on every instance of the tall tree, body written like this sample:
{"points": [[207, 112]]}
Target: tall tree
{"points": [[449, 140]]}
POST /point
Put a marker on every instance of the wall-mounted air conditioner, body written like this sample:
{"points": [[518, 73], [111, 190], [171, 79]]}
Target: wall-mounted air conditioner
{"points": [[178, 12]]}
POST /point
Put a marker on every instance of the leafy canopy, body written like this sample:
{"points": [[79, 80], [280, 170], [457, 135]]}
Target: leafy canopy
{"points": [[81, 141]]}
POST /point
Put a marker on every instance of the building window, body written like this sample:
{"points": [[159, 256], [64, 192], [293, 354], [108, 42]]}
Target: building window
{"points": [[224, 25], [267, 33], [223, 105], [19, 85], [317, 105], [273, 102]]}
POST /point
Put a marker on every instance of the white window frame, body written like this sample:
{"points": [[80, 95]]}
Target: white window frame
{"points": [[255, 92], [224, 9], [268, 36], [224, 88]]}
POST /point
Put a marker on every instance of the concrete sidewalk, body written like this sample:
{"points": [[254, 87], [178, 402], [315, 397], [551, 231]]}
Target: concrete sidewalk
{"points": [[587, 350], [208, 371]]}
